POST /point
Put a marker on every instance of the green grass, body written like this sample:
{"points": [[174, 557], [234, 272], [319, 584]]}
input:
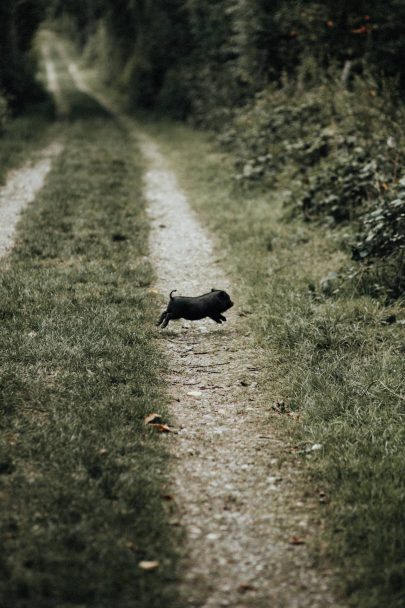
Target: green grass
{"points": [[23, 135], [337, 366], [82, 480]]}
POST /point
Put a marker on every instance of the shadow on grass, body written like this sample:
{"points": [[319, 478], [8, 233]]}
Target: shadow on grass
{"points": [[83, 107]]}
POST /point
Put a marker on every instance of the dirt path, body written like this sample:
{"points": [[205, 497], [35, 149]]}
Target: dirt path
{"points": [[61, 105], [236, 504], [22, 186], [238, 507]]}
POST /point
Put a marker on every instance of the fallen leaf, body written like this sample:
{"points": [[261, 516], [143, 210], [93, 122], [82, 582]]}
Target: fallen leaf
{"points": [[162, 428], [153, 290], [245, 587], [148, 565], [153, 418], [296, 540], [166, 496]]}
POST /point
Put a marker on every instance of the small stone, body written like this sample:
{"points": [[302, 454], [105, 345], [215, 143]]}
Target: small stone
{"points": [[196, 394]]}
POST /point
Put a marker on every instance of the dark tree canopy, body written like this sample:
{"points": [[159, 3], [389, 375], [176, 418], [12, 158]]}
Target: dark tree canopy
{"points": [[181, 53]]}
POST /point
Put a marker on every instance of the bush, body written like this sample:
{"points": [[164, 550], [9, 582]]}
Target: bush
{"points": [[382, 230], [337, 155]]}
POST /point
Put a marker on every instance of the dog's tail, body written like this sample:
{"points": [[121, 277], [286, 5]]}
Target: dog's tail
{"points": [[171, 297]]}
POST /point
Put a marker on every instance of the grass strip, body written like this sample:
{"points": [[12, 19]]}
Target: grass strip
{"points": [[23, 135], [81, 477], [336, 364]]}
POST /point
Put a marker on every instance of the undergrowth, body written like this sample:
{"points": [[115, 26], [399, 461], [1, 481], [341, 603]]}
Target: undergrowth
{"points": [[339, 153]]}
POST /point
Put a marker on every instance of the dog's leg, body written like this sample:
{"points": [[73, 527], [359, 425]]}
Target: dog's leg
{"points": [[162, 316], [169, 317]]}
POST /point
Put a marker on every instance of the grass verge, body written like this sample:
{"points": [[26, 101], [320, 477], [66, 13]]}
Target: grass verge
{"points": [[336, 364], [81, 478]]}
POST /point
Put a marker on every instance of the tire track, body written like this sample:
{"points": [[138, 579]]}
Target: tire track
{"points": [[22, 186]]}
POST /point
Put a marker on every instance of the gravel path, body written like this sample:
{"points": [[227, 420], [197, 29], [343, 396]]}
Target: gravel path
{"points": [[22, 185], [235, 502]]}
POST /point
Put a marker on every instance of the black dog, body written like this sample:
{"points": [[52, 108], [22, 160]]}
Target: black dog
{"points": [[210, 305]]}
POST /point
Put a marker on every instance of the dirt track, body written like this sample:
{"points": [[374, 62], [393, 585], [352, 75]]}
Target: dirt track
{"points": [[22, 185], [239, 508], [235, 502]]}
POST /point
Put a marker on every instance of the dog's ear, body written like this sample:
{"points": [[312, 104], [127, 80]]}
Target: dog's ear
{"points": [[213, 289]]}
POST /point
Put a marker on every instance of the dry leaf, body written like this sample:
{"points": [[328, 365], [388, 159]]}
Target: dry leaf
{"points": [[146, 565], [296, 540], [244, 587], [162, 428], [166, 496], [156, 418]]}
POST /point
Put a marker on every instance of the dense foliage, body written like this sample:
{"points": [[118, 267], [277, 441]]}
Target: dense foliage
{"points": [[220, 52], [19, 21]]}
